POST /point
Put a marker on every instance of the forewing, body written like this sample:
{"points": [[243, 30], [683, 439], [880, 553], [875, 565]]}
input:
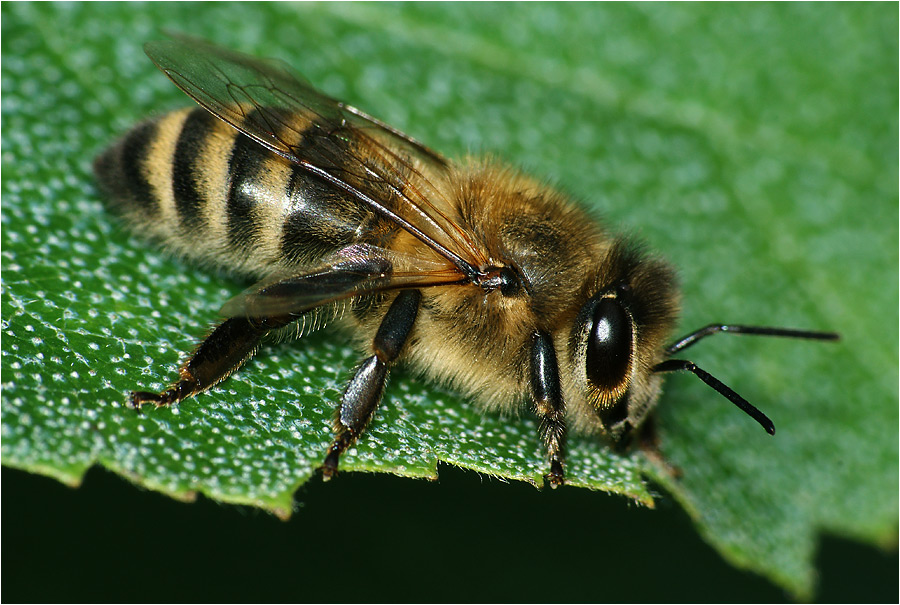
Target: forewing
{"points": [[269, 102], [357, 270]]}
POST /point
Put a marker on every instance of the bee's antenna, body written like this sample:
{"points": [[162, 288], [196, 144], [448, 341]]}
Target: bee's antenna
{"points": [[676, 365], [686, 341]]}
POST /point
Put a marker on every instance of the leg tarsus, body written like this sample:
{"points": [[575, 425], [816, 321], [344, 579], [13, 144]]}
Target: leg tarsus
{"points": [[186, 386], [344, 440], [557, 475], [136, 399]]}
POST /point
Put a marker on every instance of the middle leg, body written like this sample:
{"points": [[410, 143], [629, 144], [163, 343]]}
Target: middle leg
{"points": [[362, 395]]}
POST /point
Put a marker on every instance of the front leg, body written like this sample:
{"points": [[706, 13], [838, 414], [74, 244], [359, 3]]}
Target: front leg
{"points": [[549, 405], [362, 395]]}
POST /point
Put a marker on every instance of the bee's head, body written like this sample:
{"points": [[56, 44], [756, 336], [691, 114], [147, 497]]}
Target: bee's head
{"points": [[618, 337]]}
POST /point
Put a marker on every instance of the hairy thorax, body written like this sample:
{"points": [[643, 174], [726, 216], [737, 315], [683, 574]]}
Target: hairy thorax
{"points": [[479, 341]]}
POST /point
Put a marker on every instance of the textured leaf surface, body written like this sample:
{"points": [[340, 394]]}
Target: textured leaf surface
{"points": [[755, 147]]}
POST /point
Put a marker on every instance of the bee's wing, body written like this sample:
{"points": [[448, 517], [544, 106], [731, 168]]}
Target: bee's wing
{"points": [[269, 102], [357, 270]]}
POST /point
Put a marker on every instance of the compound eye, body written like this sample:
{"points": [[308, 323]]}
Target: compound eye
{"points": [[609, 345]]}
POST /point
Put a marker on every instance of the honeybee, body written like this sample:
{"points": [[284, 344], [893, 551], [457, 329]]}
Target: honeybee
{"points": [[474, 274]]}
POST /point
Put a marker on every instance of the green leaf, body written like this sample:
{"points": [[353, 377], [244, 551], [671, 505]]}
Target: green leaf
{"points": [[753, 146]]}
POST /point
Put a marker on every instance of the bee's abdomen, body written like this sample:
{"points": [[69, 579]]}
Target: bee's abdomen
{"points": [[214, 195]]}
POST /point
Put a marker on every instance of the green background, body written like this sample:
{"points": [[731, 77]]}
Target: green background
{"points": [[756, 147]]}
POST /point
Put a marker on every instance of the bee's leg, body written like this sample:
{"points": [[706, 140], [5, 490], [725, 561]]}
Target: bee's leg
{"points": [[549, 405], [362, 395], [648, 441], [229, 345]]}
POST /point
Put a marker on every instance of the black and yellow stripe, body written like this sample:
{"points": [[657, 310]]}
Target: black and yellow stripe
{"points": [[212, 194]]}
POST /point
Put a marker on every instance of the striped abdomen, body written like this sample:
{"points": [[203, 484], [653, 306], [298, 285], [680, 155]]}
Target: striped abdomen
{"points": [[214, 195]]}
